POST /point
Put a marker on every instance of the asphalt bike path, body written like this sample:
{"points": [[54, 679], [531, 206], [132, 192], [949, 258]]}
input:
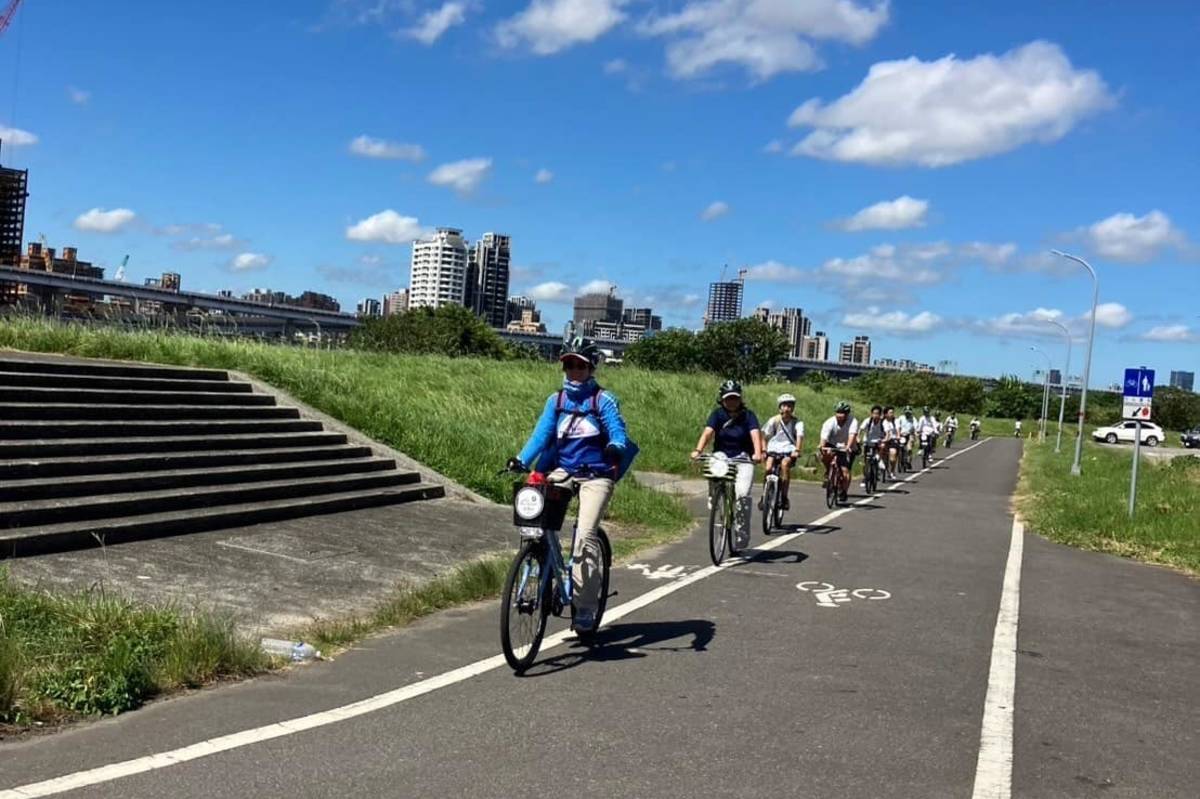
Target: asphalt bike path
{"points": [[850, 660]]}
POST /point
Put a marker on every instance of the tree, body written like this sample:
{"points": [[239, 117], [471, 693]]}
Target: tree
{"points": [[1013, 399], [1176, 409], [673, 350], [816, 380], [745, 349], [450, 330]]}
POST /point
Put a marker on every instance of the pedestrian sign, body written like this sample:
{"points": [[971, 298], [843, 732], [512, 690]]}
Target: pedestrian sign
{"points": [[1138, 394]]}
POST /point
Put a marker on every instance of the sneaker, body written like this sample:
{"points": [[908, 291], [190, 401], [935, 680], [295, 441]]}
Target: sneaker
{"points": [[864, 485], [583, 621]]}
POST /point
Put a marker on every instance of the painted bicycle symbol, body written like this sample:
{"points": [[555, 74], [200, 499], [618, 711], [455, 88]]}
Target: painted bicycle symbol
{"points": [[830, 596]]}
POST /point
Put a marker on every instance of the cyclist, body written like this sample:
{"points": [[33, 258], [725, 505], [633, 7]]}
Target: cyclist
{"points": [[891, 439], [906, 426], [734, 430], [951, 428], [580, 442], [841, 428], [784, 434], [975, 425], [927, 426], [872, 431], [1017, 430]]}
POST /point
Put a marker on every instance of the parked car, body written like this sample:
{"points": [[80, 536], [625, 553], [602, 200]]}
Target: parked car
{"points": [[1152, 434], [1191, 438]]}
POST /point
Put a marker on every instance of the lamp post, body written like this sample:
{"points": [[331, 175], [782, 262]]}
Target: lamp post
{"points": [[1062, 402], [1087, 362], [1045, 394]]}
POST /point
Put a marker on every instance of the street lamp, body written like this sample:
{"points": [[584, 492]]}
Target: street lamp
{"points": [[1062, 403], [1045, 394], [1087, 363]]}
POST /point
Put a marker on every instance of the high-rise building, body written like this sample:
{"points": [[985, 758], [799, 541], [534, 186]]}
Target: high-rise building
{"points": [[1184, 380], [598, 307], [487, 278], [856, 352], [170, 281], [266, 296], [815, 347], [439, 270], [14, 184], [724, 302], [530, 322], [317, 301], [369, 307], [790, 322], [643, 318], [38, 258], [396, 302], [514, 307], [1056, 377]]}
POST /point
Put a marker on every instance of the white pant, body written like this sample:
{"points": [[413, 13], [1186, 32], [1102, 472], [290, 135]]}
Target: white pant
{"points": [[742, 486]]}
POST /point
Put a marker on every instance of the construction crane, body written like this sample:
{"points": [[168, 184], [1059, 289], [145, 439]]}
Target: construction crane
{"points": [[121, 269], [6, 16]]}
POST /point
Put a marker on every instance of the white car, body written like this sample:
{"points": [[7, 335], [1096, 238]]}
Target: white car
{"points": [[1152, 434]]}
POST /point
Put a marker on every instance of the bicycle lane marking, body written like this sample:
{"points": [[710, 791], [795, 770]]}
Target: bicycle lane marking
{"points": [[237, 740]]}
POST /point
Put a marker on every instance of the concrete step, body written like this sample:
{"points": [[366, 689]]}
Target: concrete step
{"points": [[123, 464], [39, 513], [78, 535], [35, 489], [118, 444], [23, 430], [66, 366], [104, 396], [58, 380], [48, 411]]}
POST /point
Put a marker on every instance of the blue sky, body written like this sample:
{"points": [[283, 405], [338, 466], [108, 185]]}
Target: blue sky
{"points": [[897, 169]]}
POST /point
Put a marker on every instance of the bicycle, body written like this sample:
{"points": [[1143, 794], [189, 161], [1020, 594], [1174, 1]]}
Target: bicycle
{"points": [[772, 498], [905, 453], [926, 450], [722, 505], [950, 437], [871, 467], [539, 581], [836, 484], [974, 433]]}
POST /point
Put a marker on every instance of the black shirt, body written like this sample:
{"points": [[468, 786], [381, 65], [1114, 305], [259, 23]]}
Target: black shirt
{"points": [[733, 432]]}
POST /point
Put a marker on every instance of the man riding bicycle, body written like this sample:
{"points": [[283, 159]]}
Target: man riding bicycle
{"points": [[734, 430], [839, 437], [580, 442], [975, 424], [784, 434], [928, 428], [872, 431], [951, 428], [891, 442], [907, 427]]}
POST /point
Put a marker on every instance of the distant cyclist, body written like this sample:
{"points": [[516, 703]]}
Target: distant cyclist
{"points": [[784, 434], [927, 428], [839, 438], [734, 430], [891, 442], [1017, 429], [951, 429], [873, 433], [975, 425], [907, 427], [580, 442]]}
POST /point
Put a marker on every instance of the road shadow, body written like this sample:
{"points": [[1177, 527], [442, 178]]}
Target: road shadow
{"points": [[754, 557], [808, 529], [630, 642]]}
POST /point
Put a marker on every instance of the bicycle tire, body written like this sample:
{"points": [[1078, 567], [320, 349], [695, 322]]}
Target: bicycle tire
{"points": [[718, 535], [831, 489], [769, 499], [871, 476], [589, 636], [521, 656]]}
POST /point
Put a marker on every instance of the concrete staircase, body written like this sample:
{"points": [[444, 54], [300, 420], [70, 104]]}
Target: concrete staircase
{"points": [[98, 453]]}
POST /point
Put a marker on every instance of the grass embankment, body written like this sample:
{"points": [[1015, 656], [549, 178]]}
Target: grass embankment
{"points": [[1092, 511]]}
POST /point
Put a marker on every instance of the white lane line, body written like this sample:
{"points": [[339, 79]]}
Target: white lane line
{"points": [[993, 771], [225, 743]]}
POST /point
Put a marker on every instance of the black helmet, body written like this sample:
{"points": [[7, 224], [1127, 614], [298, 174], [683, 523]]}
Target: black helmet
{"points": [[583, 348], [728, 388]]}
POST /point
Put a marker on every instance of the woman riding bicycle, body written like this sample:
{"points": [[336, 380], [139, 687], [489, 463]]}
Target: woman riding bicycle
{"points": [[733, 428], [784, 434], [580, 443]]}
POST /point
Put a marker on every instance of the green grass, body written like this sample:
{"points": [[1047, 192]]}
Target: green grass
{"points": [[1091, 511], [91, 653]]}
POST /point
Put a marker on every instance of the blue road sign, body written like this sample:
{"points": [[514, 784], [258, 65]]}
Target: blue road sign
{"points": [[1139, 383]]}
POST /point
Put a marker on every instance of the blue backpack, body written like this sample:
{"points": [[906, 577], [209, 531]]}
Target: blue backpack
{"points": [[591, 407]]}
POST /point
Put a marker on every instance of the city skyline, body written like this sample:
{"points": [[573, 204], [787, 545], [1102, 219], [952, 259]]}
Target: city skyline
{"points": [[936, 246]]}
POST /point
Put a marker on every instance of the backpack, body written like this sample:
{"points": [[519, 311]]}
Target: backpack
{"points": [[591, 407]]}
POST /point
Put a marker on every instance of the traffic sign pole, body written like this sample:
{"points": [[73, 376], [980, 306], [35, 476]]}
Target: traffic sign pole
{"points": [[1137, 456], [1137, 400]]}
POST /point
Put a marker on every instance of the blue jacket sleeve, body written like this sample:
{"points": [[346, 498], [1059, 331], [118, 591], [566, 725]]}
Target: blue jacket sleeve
{"points": [[614, 424], [543, 433]]}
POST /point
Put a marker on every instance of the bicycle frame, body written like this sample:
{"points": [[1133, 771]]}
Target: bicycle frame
{"points": [[559, 572]]}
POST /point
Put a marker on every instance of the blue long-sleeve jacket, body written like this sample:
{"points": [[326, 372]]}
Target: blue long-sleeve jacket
{"points": [[571, 442]]}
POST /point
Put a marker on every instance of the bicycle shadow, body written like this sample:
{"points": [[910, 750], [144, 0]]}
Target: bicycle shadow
{"points": [[629, 642], [808, 529], [754, 557]]}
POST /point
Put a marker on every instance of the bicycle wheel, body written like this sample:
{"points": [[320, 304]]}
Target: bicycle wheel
{"points": [[777, 517], [589, 636], [769, 499], [925, 457], [831, 489], [871, 477], [524, 609], [718, 535]]}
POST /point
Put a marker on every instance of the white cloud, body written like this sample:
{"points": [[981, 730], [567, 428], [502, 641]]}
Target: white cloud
{"points": [[221, 241], [543, 176], [552, 291], [937, 113], [98, 220], [386, 226], [369, 147], [434, 23], [994, 255], [896, 322], [1169, 333], [462, 176], [78, 96], [774, 147], [549, 26], [714, 211], [765, 37], [615, 66], [1111, 315], [898, 214], [249, 261], [1133, 239], [596, 287], [15, 137]]}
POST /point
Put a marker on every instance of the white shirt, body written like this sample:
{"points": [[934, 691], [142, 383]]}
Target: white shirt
{"points": [[926, 425], [834, 434], [783, 436], [906, 425], [889, 428], [952, 423]]}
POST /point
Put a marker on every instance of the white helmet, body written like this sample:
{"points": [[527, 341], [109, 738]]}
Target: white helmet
{"points": [[785, 398]]}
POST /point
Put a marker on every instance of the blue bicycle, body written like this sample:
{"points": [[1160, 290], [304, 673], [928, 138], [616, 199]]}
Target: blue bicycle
{"points": [[539, 580]]}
